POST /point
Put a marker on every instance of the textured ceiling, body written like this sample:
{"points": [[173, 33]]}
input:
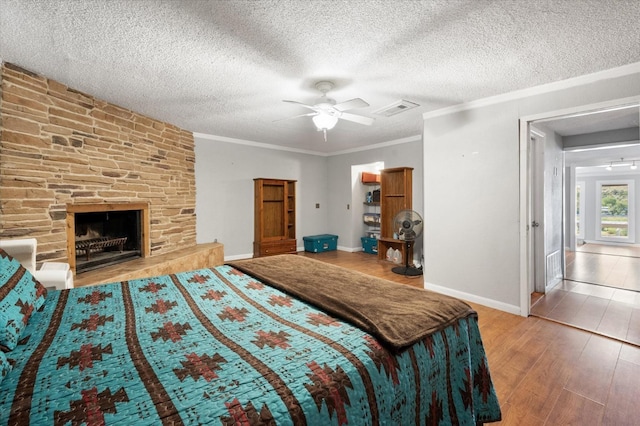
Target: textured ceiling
{"points": [[224, 67]]}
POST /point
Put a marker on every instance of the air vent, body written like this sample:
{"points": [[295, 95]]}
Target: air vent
{"points": [[396, 108]]}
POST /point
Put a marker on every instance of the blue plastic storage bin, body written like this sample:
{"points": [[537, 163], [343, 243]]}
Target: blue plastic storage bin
{"points": [[369, 245], [320, 243]]}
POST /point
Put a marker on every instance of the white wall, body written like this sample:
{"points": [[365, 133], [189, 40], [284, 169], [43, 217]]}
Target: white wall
{"points": [[471, 214], [224, 191], [406, 154], [471, 183]]}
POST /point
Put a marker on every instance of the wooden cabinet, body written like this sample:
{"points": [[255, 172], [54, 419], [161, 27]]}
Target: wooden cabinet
{"points": [[396, 187], [275, 217]]}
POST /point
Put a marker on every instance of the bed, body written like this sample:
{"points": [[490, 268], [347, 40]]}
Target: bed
{"points": [[236, 344]]}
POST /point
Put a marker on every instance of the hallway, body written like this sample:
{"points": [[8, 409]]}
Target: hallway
{"points": [[604, 310], [612, 266], [601, 292]]}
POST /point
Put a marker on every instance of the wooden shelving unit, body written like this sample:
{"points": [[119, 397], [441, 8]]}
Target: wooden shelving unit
{"points": [[395, 195], [371, 207], [274, 217]]}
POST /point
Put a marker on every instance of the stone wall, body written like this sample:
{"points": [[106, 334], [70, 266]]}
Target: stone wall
{"points": [[59, 146]]}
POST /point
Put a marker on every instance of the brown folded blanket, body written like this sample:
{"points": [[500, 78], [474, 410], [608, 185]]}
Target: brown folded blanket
{"points": [[396, 314]]}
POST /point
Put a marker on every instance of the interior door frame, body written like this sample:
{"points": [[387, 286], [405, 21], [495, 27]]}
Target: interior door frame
{"points": [[526, 187], [580, 206]]}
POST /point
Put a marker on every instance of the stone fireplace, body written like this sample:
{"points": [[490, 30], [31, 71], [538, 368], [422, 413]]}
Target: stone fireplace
{"points": [[100, 235], [65, 153]]}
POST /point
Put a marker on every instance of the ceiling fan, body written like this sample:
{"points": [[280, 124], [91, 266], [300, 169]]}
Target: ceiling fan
{"points": [[326, 111]]}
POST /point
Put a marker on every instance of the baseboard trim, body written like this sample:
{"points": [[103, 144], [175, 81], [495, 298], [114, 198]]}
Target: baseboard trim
{"points": [[349, 249], [238, 257], [611, 243], [490, 303], [250, 255]]}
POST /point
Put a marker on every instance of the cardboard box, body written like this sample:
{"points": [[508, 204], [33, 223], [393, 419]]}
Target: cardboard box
{"points": [[370, 177]]}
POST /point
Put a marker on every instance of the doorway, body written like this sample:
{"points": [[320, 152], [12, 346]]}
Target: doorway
{"points": [[362, 204], [601, 267], [605, 253], [607, 310], [597, 127]]}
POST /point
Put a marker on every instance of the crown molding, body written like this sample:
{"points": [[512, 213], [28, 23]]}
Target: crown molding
{"points": [[378, 145], [256, 144], [304, 151], [537, 90]]}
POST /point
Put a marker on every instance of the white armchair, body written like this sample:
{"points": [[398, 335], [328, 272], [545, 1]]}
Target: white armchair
{"points": [[50, 274]]}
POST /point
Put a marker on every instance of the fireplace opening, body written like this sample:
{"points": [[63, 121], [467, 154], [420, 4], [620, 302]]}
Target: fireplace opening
{"points": [[106, 237]]}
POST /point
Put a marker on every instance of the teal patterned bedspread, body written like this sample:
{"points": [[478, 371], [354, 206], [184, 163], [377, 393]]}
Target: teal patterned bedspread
{"points": [[215, 346]]}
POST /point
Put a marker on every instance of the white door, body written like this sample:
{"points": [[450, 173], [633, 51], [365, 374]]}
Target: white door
{"points": [[545, 224], [536, 213]]}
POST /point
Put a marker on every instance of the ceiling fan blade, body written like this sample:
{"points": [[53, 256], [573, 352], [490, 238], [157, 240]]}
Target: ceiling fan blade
{"points": [[296, 116], [302, 105], [351, 104], [357, 118]]}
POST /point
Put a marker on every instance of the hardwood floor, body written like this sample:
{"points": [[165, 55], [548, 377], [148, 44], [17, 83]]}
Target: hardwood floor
{"points": [[601, 292], [545, 373], [365, 263], [620, 250], [608, 311], [613, 266]]}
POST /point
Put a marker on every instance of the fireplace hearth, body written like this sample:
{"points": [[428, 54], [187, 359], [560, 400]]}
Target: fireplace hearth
{"points": [[105, 234]]}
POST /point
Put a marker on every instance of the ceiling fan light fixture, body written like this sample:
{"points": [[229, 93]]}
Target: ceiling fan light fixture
{"points": [[633, 165], [324, 121], [327, 112], [610, 167]]}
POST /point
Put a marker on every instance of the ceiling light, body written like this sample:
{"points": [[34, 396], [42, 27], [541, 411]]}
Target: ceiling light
{"points": [[621, 163], [324, 121]]}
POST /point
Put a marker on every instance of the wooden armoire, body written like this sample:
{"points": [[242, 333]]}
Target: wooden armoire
{"points": [[275, 217]]}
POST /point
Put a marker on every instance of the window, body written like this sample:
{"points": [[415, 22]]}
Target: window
{"points": [[580, 210], [614, 204]]}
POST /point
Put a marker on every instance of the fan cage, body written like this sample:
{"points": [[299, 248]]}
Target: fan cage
{"points": [[405, 226]]}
